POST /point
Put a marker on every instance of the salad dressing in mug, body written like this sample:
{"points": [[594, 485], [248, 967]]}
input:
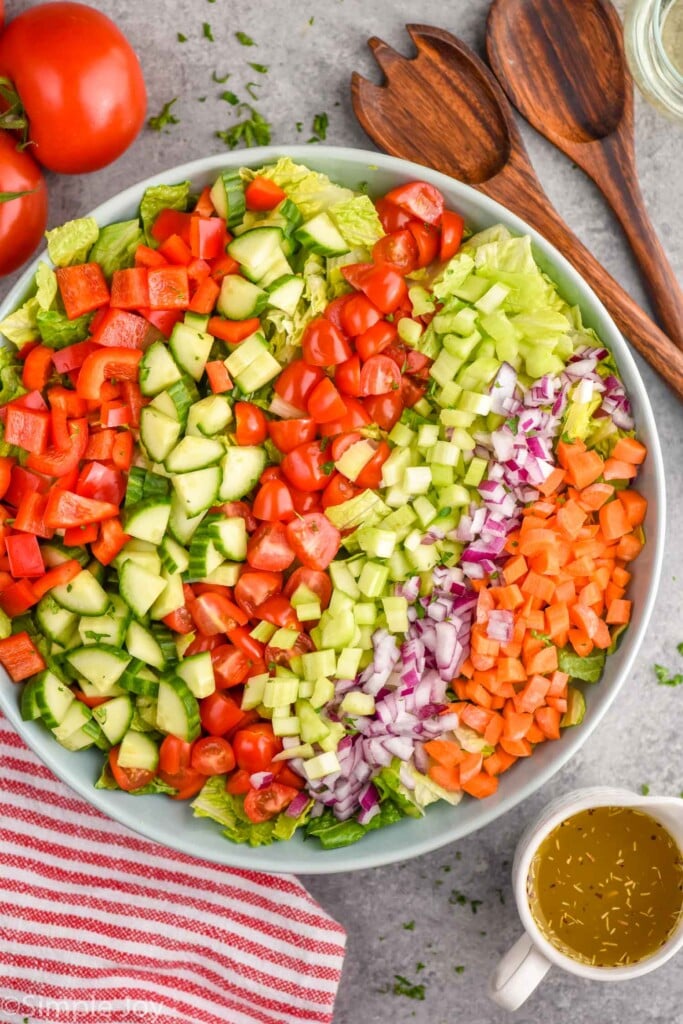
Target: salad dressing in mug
{"points": [[606, 886]]}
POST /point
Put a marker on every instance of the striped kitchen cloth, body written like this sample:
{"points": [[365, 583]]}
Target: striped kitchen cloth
{"points": [[101, 926]]}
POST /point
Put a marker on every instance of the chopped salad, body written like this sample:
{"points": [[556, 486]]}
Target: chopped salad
{"points": [[315, 508]]}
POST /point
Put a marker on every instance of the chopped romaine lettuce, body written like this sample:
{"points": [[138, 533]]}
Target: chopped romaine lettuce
{"points": [[357, 221], [588, 669], [333, 833], [10, 376], [228, 810], [162, 197], [71, 242], [452, 276], [46, 286], [116, 244], [21, 326], [57, 331], [390, 787], [311, 191]]}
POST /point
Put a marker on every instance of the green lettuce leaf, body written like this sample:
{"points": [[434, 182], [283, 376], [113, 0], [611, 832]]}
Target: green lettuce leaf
{"points": [[115, 246], [588, 669], [71, 242], [162, 197], [311, 191], [106, 781], [358, 221], [21, 326], [57, 331], [10, 376], [391, 788], [456, 271], [332, 834], [228, 810], [46, 286]]}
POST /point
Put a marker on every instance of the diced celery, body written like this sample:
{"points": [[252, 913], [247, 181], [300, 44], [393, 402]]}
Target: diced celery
{"points": [[455, 496], [286, 726], [483, 370], [365, 641], [449, 394], [442, 476], [309, 612], [472, 401], [365, 614], [396, 611], [263, 632], [264, 712], [409, 331], [253, 691], [472, 288], [401, 435], [304, 750], [499, 328], [355, 459], [444, 368], [373, 579], [322, 692], [539, 362], [399, 521], [331, 741], [424, 557], [399, 566], [280, 692], [337, 631], [284, 638], [460, 349], [366, 509], [493, 298], [475, 472], [348, 662], [425, 510], [427, 435], [302, 595], [342, 578], [377, 543], [306, 688], [417, 479], [358, 703], [445, 453], [413, 540], [319, 663], [285, 672], [356, 564], [421, 300], [395, 466], [397, 496]]}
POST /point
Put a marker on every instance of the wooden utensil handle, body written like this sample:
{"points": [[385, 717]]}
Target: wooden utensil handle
{"points": [[632, 321]]}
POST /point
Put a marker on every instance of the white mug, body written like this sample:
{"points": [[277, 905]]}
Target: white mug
{"points": [[524, 966]]}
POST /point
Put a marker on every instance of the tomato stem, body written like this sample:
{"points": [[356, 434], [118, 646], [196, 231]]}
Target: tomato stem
{"points": [[7, 197], [13, 117]]}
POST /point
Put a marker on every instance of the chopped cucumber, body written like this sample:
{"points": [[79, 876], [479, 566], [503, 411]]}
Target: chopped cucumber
{"points": [[177, 709]]}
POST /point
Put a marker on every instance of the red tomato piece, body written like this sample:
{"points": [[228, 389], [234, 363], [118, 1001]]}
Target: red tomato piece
{"points": [[325, 403], [379, 375], [219, 713], [399, 249], [256, 746], [251, 424], [323, 344], [420, 199], [347, 376], [393, 217], [230, 666], [376, 339], [214, 613], [273, 502], [307, 467], [452, 227], [314, 539], [334, 310], [358, 314], [427, 241], [338, 491], [262, 804], [315, 580], [296, 382], [269, 549], [253, 588], [288, 434], [385, 410], [385, 287], [356, 417], [212, 755], [278, 611], [128, 779], [370, 476]]}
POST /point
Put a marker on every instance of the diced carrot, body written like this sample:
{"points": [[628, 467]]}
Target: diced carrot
{"points": [[512, 542], [538, 586], [532, 696], [445, 752], [535, 541], [476, 693], [613, 593], [482, 662], [531, 645], [619, 612], [481, 644], [542, 662], [558, 684], [629, 450], [559, 703], [629, 547], [615, 469], [475, 717], [514, 569], [602, 576], [556, 618], [460, 687], [535, 735], [499, 762], [518, 748], [567, 450], [510, 670], [635, 506], [565, 592], [548, 721], [467, 669], [594, 497], [481, 785], [447, 778], [620, 576], [585, 619], [591, 594], [584, 468], [570, 518], [536, 620], [552, 482], [516, 723], [547, 562], [469, 767], [584, 566], [494, 729], [613, 520], [591, 547], [580, 642], [509, 597], [603, 638]]}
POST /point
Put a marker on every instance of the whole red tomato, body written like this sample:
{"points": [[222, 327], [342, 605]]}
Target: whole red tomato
{"points": [[79, 82], [22, 219]]}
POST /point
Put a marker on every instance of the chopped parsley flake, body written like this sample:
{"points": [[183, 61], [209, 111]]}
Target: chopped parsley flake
{"points": [[311, 20], [664, 678], [250, 86], [229, 97], [458, 898], [460, 969], [320, 123], [403, 987], [181, 38], [243, 39], [254, 130], [207, 33], [409, 926], [419, 966], [299, 126], [645, 789], [679, 648], [219, 80], [164, 117], [261, 68]]}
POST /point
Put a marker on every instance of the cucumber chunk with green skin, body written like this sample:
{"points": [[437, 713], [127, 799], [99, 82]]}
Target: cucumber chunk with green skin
{"points": [[55, 622], [138, 750], [194, 453], [83, 595], [139, 588], [256, 250], [285, 292], [209, 417], [101, 664], [70, 732], [28, 705], [159, 433], [158, 370], [197, 491], [227, 196], [177, 709], [140, 679], [230, 538], [197, 671], [321, 236], [142, 646], [181, 525], [114, 717], [148, 520], [52, 697], [240, 299], [190, 349], [240, 469]]}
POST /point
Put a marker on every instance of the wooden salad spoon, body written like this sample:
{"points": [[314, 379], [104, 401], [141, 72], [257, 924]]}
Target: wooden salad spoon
{"points": [[445, 109], [563, 67]]}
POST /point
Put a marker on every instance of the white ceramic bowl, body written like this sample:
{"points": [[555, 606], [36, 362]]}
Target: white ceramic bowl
{"points": [[172, 823]]}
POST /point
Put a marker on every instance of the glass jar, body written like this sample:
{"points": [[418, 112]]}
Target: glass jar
{"points": [[653, 34]]}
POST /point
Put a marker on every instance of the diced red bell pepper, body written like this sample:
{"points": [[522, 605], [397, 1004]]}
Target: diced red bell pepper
{"points": [[78, 536], [122, 450], [30, 515], [23, 482], [163, 319], [57, 577], [208, 237], [148, 257], [65, 400], [7, 464], [129, 288], [38, 368], [83, 288], [101, 482], [72, 357], [112, 538], [218, 376], [20, 657], [134, 400], [169, 288], [17, 599], [64, 508], [171, 222], [120, 329], [222, 266], [101, 445], [31, 400], [205, 295], [24, 555], [204, 206], [60, 461], [27, 428], [233, 331], [198, 270], [115, 414], [105, 363], [176, 251]]}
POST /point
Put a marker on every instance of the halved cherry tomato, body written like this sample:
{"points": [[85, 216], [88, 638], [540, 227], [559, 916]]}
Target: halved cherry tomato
{"points": [[268, 548], [342, 443], [420, 199], [256, 746], [179, 621], [427, 241], [270, 473], [278, 611], [384, 286], [393, 218], [314, 539], [251, 424], [370, 476], [239, 782], [239, 510], [262, 804], [325, 403], [212, 755], [279, 656], [334, 310], [379, 375], [315, 580], [230, 666], [356, 417], [174, 755], [263, 194], [338, 491], [249, 645], [288, 434], [411, 391], [219, 713], [376, 339], [296, 381], [358, 314], [186, 781], [214, 613], [287, 777], [307, 467], [202, 643], [323, 344], [347, 376], [305, 501], [253, 588], [452, 225], [386, 409], [398, 249], [273, 502], [129, 779]]}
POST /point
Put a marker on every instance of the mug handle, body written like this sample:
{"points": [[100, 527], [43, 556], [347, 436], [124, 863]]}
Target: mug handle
{"points": [[517, 974]]}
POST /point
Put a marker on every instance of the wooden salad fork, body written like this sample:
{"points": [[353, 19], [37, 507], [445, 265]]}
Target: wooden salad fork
{"points": [[444, 109]]}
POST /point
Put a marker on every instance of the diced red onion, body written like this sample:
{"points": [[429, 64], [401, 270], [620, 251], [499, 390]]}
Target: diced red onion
{"points": [[259, 780], [298, 805]]}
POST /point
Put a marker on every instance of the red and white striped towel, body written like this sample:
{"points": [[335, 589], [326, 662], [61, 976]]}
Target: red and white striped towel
{"points": [[100, 926]]}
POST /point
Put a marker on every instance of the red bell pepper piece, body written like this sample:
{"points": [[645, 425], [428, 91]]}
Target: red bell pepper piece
{"points": [[169, 288], [20, 657], [7, 464], [122, 450], [208, 237], [78, 536], [198, 270], [233, 331], [57, 577], [218, 376], [101, 445], [17, 599], [60, 461], [115, 414], [163, 319], [72, 357], [65, 400], [129, 288], [30, 515], [105, 363], [223, 265], [204, 298], [120, 329], [101, 482], [148, 257], [83, 288], [171, 222], [112, 538], [204, 206], [176, 251], [27, 428], [64, 508], [24, 555], [134, 400], [23, 482], [38, 368]]}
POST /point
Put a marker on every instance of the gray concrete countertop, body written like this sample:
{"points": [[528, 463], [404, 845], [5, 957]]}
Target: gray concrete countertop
{"points": [[408, 919]]}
